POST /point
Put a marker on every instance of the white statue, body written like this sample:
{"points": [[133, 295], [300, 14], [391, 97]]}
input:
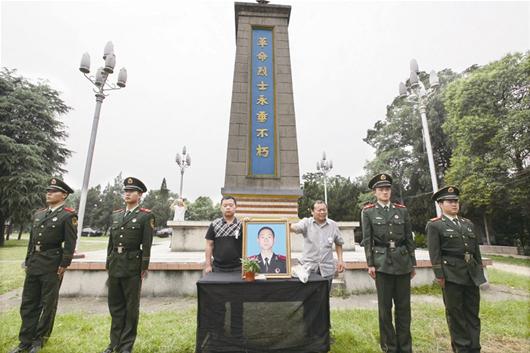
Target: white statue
{"points": [[180, 210]]}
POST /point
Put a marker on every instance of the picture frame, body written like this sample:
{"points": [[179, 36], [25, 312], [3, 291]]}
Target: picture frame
{"points": [[268, 241]]}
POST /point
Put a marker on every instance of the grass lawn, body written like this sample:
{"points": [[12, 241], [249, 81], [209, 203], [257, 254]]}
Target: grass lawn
{"points": [[504, 329], [508, 279], [11, 257], [509, 260], [92, 243], [14, 252]]}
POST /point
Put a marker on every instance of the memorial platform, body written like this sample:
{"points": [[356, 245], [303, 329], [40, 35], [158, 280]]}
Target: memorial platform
{"points": [[176, 273]]}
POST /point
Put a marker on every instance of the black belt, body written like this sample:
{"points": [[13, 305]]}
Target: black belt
{"points": [[391, 244], [123, 249], [43, 247], [465, 256]]}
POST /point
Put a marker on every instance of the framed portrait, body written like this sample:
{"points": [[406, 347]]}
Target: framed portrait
{"points": [[267, 240]]}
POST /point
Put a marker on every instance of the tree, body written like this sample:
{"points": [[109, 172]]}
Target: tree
{"points": [[159, 203], [489, 126], [110, 200], [203, 209], [400, 152], [31, 147], [342, 196]]}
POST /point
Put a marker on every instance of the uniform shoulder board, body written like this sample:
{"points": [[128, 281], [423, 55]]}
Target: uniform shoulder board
{"points": [[253, 257], [281, 257], [398, 205], [118, 210], [370, 205], [145, 210], [435, 219], [68, 209], [42, 209]]}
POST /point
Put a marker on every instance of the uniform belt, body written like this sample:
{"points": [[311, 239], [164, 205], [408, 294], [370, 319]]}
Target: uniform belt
{"points": [[123, 249], [43, 247], [465, 256], [391, 244]]}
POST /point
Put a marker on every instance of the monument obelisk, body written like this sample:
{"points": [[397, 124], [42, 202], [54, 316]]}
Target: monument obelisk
{"points": [[262, 169]]}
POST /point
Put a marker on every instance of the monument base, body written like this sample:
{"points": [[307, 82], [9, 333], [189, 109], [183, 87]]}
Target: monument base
{"points": [[264, 206], [175, 273], [188, 236]]}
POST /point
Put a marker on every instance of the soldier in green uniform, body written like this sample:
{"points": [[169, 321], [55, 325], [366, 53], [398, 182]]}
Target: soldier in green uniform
{"points": [[50, 250], [128, 255], [457, 264], [389, 248]]}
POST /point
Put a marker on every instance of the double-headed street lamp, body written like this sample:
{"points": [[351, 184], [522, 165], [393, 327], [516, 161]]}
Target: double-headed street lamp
{"points": [[101, 86], [419, 95], [324, 166], [183, 161]]}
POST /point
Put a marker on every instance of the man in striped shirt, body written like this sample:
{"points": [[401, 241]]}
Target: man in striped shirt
{"points": [[224, 240]]}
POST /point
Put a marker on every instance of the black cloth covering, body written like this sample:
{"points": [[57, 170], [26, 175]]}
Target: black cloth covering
{"points": [[274, 315]]}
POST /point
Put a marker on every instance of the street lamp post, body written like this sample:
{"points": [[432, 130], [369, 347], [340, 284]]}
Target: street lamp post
{"points": [[324, 166], [419, 95], [101, 86], [183, 161]]}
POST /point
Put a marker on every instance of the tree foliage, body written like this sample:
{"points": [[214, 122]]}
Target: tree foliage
{"points": [[31, 144], [479, 128], [489, 127], [159, 202], [203, 209], [342, 196], [399, 151]]}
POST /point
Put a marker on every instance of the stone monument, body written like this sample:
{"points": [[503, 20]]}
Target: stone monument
{"points": [[262, 169]]}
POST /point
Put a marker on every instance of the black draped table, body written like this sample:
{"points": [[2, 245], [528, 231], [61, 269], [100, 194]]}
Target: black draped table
{"points": [[274, 315]]}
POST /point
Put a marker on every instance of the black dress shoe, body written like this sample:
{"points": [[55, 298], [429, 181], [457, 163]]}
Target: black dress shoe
{"points": [[35, 348], [21, 348]]}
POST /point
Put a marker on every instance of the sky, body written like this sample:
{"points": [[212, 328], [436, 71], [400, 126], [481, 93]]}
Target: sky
{"points": [[347, 59]]}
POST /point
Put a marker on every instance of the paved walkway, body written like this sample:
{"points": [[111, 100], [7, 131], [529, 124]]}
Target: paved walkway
{"points": [[519, 270], [98, 305]]}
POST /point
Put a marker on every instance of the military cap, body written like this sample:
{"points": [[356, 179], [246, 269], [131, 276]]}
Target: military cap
{"points": [[131, 183], [58, 185], [380, 180], [446, 193]]}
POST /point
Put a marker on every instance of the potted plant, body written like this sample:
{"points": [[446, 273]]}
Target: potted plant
{"points": [[250, 267]]}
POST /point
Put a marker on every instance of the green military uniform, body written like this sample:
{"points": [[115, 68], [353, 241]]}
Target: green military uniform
{"points": [[51, 245], [128, 254], [389, 247], [455, 256]]}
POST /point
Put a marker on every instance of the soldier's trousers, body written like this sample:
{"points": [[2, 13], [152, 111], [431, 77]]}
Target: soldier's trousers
{"points": [[462, 304], [394, 289], [39, 305], [124, 308]]}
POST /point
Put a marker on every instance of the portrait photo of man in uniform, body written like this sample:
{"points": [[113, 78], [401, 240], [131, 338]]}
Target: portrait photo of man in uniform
{"points": [[267, 243], [269, 262]]}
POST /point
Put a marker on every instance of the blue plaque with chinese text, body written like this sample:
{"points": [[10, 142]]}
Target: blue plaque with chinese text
{"points": [[262, 112]]}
